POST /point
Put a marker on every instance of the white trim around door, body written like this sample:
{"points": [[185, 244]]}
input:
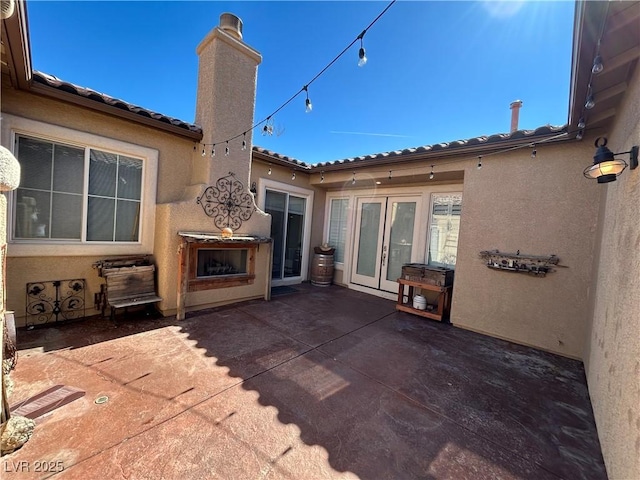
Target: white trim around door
{"points": [[290, 192]]}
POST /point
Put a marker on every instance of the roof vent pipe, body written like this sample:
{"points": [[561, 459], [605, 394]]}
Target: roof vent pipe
{"points": [[231, 24], [515, 114]]}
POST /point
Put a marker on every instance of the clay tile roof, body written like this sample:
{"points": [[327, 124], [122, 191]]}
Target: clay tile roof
{"points": [[54, 82], [284, 158], [397, 155]]}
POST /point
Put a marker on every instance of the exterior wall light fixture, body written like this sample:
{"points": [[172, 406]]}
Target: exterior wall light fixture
{"points": [[606, 168]]}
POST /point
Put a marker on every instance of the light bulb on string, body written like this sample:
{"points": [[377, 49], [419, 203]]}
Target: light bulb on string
{"points": [[389, 174], [244, 141], [353, 180], [431, 174], [580, 134], [479, 163], [582, 123], [269, 172], [597, 65], [591, 102], [293, 176], [203, 152], [226, 149], [362, 54], [321, 177], [195, 147], [213, 150], [534, 152], [307, 102]]}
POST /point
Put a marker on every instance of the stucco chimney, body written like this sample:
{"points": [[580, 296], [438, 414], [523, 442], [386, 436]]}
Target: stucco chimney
{"points": [[225, 102], [515, 114]]}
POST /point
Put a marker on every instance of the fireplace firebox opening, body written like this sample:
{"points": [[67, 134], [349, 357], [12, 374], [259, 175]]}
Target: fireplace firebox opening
{"points": [[226, 265]]}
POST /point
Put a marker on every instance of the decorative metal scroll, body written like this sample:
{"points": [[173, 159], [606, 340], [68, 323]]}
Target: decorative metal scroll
{"points": [[55, 301], [227, 203]]}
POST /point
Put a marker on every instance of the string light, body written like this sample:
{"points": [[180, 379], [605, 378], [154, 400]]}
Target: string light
{"points": [[244, 141], [479, 163], [598, 67], [203, 152], [591, 101], [267, 128], [269, 172], [226, 149], [307, 102], [520, 146], [582, 123], [321, 177], [389, 174], [580, 135], [293, 175], [353, 180], [213, 151], [534, 152], [362, 54]]}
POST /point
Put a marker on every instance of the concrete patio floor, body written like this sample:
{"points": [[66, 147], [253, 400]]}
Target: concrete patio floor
{"points": [[321, 383]]}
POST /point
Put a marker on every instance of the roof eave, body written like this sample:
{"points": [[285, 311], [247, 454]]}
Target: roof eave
{"points": [[15, 34], [52, 92], [422, 153]]}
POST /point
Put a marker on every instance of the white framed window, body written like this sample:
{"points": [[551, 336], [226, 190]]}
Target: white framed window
{"points": [[79, 193], [444, 229], [337, 228]]}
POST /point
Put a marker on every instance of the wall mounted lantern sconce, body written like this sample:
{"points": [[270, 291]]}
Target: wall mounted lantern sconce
{"points": [[606, 168]]}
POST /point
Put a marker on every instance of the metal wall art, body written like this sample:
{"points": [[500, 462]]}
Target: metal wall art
{"points": [[227, 202], [55, 301], [537, 265]]}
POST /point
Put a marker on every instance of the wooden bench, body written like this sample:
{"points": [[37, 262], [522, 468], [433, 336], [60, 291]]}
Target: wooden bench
{"points": [[129, 287]]}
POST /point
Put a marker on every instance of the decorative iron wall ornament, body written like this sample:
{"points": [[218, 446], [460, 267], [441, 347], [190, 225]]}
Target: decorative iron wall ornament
{"points": [[227, 202], [55, 301]]}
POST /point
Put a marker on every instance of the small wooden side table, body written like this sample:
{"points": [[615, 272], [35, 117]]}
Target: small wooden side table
{"points": [[444, 299]]}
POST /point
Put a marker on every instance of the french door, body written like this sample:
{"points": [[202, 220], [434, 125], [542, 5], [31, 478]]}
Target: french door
{"points": [[385, 239]]}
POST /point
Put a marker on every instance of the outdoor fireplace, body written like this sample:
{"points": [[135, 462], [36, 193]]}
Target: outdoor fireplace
{"points": [[210, 261]]}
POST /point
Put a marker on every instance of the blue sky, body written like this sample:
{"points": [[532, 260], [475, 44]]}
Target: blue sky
{"points": [[436, 71]]}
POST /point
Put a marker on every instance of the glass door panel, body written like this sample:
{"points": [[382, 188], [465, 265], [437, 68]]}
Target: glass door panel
{"points": [[295, 232], [275, 204], [400, 238], [366, 257]]}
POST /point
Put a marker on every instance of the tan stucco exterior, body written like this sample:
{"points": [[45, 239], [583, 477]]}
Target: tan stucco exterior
{"points": [[612, 359], [538, 206], [586, 309], [174, 172]]}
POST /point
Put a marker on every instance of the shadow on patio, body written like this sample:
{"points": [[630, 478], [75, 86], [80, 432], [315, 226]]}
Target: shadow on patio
{"points": [[323, 383]]}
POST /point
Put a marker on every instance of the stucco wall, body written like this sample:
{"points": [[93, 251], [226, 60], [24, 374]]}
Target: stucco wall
{"points": [[613, 358], [175, 153], [539, 206], [174, 172]]}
